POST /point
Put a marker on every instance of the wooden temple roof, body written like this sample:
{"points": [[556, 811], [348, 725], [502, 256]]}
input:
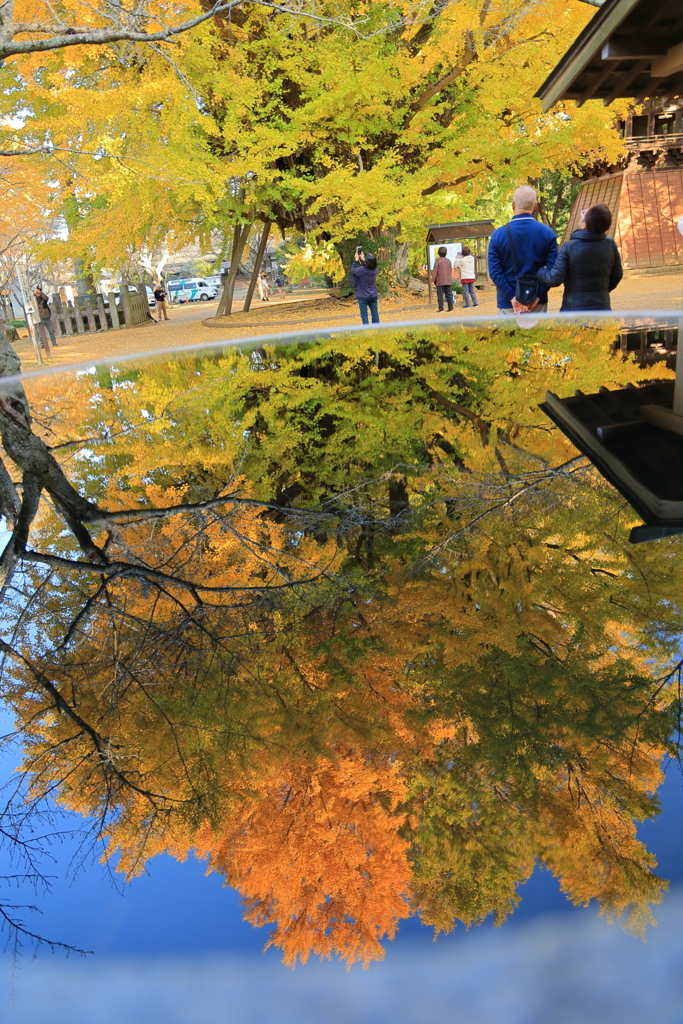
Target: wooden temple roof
{"points": [[461, 229], [630, 49]]}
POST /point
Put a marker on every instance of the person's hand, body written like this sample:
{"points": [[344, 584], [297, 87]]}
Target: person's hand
{"points": [[519, 308], [533, 305]]}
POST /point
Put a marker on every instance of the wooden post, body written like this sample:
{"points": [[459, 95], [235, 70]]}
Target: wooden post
{"points": [[113, 310], [239, 240], [257, 266], [40, 331], [429, 276], [33, 335], [68, 326], [80, 326], [29, 307], [128, 317], [58, 314], [104, 326], [90, 314]]}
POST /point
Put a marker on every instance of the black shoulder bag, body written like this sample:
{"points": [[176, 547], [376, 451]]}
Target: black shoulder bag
{"points": [[526, 285]]}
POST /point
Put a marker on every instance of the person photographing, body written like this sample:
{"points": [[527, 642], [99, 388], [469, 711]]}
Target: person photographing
{"points": [[160, 302], [44, 317], [364, 274]]}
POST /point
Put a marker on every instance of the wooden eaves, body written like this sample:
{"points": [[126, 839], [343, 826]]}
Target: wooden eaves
{"points": [[630, 49]]}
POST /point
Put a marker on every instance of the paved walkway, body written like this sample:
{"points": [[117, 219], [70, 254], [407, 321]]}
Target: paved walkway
{"points": [[185, 326]]}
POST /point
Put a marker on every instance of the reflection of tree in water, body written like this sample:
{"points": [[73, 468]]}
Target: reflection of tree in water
{"points": [[361, 629]]}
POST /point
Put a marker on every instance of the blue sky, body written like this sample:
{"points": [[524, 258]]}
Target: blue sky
{"points": [[176, 909], [173, 949]]}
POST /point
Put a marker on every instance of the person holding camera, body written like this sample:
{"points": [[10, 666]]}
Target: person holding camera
{"points": [[160, 302], [364, 274], [44, 317]]}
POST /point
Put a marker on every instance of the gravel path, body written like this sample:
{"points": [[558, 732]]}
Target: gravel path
{"points": [[185, 326]]}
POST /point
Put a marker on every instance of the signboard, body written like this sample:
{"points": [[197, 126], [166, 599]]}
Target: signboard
{"points": [[454, 250], [26, 293]]}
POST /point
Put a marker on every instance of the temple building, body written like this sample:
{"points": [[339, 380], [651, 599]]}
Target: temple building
{"points": [[633, 49]]}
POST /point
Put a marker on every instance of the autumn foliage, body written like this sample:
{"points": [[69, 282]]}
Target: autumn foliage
{"points": [[371, 641]]}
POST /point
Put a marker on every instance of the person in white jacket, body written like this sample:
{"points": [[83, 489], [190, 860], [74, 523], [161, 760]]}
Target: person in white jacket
{"points": [[468, 275], [263, 289]]}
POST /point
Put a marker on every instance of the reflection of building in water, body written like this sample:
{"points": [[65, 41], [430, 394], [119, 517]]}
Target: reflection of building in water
{"points": [[633, 51]]}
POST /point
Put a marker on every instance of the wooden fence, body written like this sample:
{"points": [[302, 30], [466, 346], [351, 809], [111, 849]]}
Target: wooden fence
{"points": [[96, 312]]}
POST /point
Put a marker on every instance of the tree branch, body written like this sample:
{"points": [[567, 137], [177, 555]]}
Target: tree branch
{"points": [[80, 36], [448, 79]]}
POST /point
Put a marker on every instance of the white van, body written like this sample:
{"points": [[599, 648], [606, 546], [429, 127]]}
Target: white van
{"points": [[191, 289]]}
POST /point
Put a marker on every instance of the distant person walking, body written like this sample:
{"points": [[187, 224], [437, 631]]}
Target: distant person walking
{"points": [[442, 277], [517, 251], [468, 275], [45, 316], [280, 285], [588, 264], [160, 301], [364, 272], [263, 289]]}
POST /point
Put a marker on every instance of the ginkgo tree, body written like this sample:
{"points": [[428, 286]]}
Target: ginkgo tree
{"points": [[310, 124]]}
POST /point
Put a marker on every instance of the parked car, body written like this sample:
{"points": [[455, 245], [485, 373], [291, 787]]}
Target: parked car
{"points": [[191, 289]]}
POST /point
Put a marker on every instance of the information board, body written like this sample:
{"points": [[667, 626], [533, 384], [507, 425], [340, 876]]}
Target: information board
{"points": [[454, 250]]}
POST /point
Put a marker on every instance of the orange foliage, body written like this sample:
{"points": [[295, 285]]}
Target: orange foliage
{"points": [[319, 855]]}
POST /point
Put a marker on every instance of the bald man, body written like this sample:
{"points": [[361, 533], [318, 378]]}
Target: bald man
{"points": [[535, 246]]}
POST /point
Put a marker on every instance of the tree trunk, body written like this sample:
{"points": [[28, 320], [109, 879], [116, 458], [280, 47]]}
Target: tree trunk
{"points": [[257, 265], [401, 263], [27, 451], [84, 281], [238, 243]]}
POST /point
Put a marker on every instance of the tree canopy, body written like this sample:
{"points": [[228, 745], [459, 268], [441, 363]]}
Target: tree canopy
{"points": [[380, 119]]}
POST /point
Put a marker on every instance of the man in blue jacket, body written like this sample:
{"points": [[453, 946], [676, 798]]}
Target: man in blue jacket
{"points": [[535, 247]]}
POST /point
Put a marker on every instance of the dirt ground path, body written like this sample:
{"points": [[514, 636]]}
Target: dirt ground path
{"points": [[315, 310]]}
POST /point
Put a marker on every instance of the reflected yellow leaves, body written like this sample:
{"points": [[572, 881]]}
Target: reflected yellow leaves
{"points": [[358, 626]]}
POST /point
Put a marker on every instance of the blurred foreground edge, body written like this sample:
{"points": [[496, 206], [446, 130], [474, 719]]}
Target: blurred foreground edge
{"points": [[643, 461]]}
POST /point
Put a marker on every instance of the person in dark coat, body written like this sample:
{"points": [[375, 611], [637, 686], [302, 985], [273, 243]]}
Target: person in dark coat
{"points": [[160, 301], [364, 273], [589, 264], [44, 317]]}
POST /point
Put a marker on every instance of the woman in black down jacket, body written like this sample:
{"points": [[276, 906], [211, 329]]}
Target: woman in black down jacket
{"points": [[588, 264]]}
